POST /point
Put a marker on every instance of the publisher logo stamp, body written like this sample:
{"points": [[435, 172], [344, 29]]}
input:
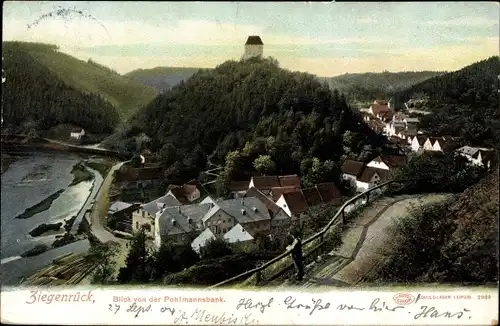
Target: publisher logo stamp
{"points": [[403, 298]]}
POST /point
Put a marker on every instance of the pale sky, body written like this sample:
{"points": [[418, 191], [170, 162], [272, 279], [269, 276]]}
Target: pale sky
{"points": [[326, 39]]}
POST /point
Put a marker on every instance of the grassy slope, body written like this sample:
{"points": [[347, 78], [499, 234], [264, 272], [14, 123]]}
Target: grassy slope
{"points": [[125, 94], [161, 78]]}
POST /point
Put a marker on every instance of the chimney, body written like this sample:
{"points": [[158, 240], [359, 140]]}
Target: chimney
{"points": [[254, 209], [189, 220], [173, 222], [243, 212]]}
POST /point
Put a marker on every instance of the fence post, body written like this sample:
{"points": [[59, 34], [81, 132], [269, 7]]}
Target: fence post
{"points": [[257, 277]]}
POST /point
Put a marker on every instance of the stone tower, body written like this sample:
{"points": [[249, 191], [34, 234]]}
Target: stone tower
{"points": [[253, 47]]}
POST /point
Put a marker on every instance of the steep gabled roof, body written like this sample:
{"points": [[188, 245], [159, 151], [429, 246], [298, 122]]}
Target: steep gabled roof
{"points": [[271, 206], [370, 171], [296, 202], [292, 180], [276, 192], [165, 201], [352, 167], [237, 234], [180, 195], [393, 161], [329, 192], [254, 40], [202, 239], [312, 196]]}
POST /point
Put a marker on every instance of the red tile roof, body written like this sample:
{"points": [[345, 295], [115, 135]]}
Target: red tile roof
{"points": [[179, 193], [276, 192], [379, 108], [312, 196], [189, 189], [370, 171], [352, 167], [296, 202], [273, 181], [393, 161], [329, 193], [292, 180]]}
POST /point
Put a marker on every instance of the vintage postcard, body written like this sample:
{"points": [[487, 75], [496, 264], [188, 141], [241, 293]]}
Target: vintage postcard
{"points": [[236, 163]]}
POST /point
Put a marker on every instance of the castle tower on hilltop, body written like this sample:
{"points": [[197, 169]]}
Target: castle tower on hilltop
{"points": [[253, 47]]}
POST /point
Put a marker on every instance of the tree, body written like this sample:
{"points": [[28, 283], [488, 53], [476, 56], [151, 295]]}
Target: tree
{"points": [[216, 248], [104, 256], [138, 266], [264, 164], [170, 258]]}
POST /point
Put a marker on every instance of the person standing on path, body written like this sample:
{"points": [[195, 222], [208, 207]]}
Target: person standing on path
{"points": [[297, 258]]}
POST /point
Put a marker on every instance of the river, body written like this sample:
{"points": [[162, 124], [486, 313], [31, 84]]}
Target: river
{"points": [[29, 180]]}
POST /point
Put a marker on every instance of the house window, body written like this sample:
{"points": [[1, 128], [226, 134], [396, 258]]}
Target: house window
{"points": [[136, 225]]}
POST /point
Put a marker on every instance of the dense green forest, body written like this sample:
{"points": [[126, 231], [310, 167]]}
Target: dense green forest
{"points": [[464, 103], [161, 78], [252, 115], [123, 93], [34, 99], [366, 87]]}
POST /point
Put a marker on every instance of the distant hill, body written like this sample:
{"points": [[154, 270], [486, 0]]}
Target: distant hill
{"points": [[365, 87], [161, 78], [464, 102], [280, 121], [124, 94], [35, 99]]}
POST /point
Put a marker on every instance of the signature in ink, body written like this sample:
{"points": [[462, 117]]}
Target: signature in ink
{"points": [[248, 304], [317, 304]]}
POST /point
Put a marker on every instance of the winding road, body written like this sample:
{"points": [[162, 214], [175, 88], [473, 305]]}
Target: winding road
{"points": [[365, 243], [100, 205]]}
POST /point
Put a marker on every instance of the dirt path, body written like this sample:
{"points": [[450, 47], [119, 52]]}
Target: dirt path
{"points": [[363, 243]]}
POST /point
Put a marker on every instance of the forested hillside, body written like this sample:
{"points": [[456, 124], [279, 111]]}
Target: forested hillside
{"points": [[464, 103], [366, 87], [161, 78], [249, 116], [34, 99], [123, 93]]}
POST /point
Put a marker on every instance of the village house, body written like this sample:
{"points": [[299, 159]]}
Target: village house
{"points": [[120, 216], [127, 177], [477, 156], [180, 224], [351, 170], [296, 203], [183, 223], [185, 194], [417, 143], [201, 240], [279, 219], [293, 203], [77, 133], [238, 235], [266, 183], [443, 144], [388, 162], [376, 108], [370, 178]]}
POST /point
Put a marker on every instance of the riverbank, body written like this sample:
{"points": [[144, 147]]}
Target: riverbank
{"points": [[7, 160], [80, 174]]}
